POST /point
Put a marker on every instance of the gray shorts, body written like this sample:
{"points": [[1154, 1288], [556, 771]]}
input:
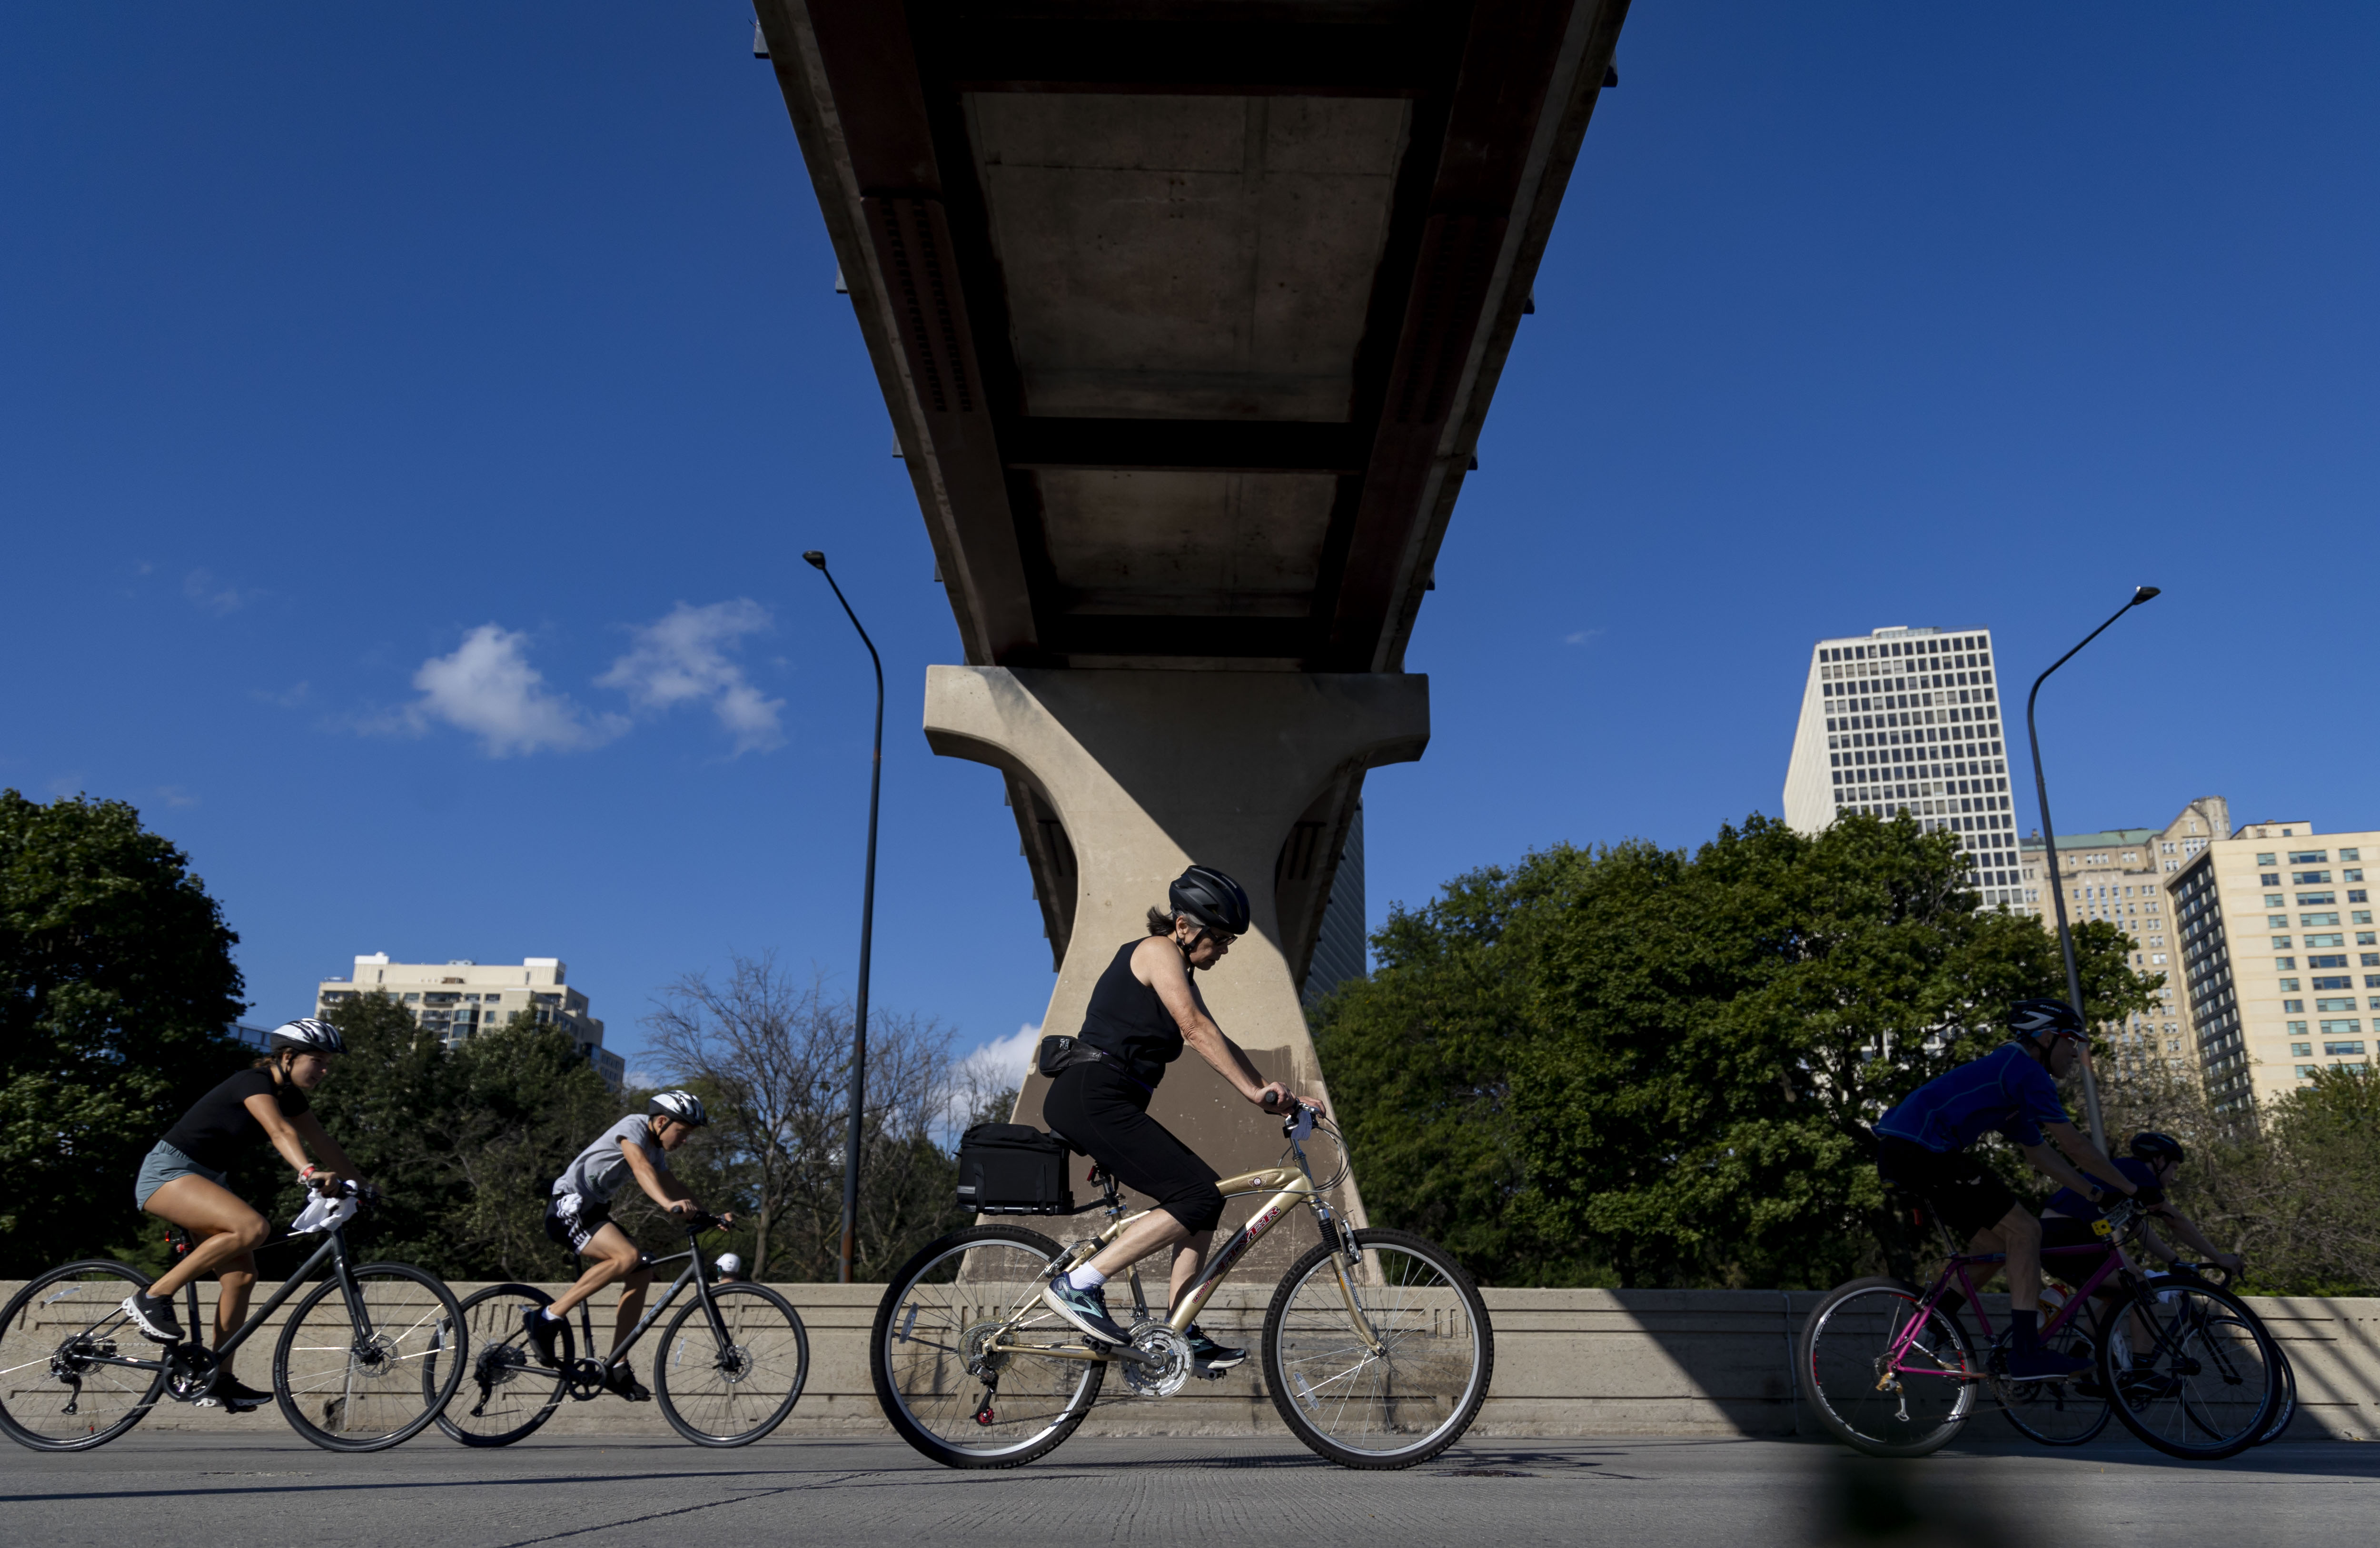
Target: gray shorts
{"points": [[161, 1166]]}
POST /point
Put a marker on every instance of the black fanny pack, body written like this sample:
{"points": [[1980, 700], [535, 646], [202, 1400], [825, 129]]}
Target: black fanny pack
{"points": [[1060, 1053]]}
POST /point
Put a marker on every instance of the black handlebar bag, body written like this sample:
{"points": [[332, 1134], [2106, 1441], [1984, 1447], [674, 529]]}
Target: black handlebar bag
{"points": [[1014, 1169]]}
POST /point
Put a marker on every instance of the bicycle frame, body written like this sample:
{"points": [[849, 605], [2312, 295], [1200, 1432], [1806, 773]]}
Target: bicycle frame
{"points": [[1288, 1186], [334, 1246], [694, 1271], [2115, 1261]]}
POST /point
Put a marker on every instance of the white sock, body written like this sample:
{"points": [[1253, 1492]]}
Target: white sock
{"points": [[1085, 1278], [552, 1316]]}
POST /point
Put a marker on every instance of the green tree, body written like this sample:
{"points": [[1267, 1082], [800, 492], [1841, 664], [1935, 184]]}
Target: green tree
{"points": [[116, 984], [1640, 1066]]}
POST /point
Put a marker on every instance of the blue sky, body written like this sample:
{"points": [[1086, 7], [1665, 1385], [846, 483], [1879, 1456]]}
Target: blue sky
{"points": [[411, 422]]}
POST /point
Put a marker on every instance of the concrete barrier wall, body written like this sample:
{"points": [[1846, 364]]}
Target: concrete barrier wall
{"points": [[1568, 1362]]}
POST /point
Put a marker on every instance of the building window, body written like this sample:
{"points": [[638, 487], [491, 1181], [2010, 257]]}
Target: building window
{"points": [[2301, 1051], [2346, 1003], [2342, 980], [2297, 1029], [2305, 1072], [2289, 986], [2285, 962], [2309, 920]]}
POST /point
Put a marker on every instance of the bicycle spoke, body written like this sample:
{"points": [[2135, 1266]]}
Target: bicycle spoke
{"points": [[64, 1382], [353, 1373], [734, 1383], [1885, 1372], [1397, 1392]]}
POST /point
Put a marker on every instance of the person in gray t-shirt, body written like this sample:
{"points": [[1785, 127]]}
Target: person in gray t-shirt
{"points": [[578, 1216]]}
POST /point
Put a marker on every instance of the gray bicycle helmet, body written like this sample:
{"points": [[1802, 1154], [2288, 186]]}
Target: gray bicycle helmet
{"points": [[1212, 898], [2030, 1018], [685, 1106], [306, 1035]]}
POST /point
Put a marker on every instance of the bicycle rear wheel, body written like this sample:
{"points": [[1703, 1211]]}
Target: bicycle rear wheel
{"points": [[1886, 1372], [946, 1393], [349, 1375], [56, 1392], [1410, 1391], [2285, 1409], [2211, 1378], [731, 1389], [506, 1393]]}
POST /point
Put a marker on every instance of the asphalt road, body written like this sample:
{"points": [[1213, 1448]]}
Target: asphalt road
{"points": [[1645, 1494]]}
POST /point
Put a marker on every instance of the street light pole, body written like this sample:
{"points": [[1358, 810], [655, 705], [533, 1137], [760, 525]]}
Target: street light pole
{"points": [[867, 932], [2057, 886]]}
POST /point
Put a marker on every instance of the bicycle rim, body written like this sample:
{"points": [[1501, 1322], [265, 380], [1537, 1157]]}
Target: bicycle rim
{"points": [[350, 1384], [1410, 1390], [2058, 1413], [53, 1396], [1887, 1407], [946, 1393], [505, 1394], [2211, 1380], [2285, 1410], [732, 1394]]}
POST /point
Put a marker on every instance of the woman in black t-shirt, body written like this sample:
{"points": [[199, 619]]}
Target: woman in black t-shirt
{"points": [[182, 1181]]}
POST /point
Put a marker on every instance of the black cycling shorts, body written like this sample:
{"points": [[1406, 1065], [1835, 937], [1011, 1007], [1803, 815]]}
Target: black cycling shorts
{"points": [[572, 1220], [1105, 1114], [2074, 1268], [1963, 1190]]}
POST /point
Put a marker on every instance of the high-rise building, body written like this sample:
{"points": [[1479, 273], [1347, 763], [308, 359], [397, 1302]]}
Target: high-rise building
{"points": [[2279, 955], [1339, 952], [2119, 877], [457, 999], [1909, 720]]}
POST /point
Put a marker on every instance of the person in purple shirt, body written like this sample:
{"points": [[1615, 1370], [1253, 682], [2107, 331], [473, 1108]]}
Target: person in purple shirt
{"points": [[1923, 1145]]}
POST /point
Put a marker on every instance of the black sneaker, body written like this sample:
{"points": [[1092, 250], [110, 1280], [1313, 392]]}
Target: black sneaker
{"points": [[1210, 1356], [541, 1330], [2043, 1365], [619, 1379], [235, 1396], [1088, 1310], [154, 1315]]}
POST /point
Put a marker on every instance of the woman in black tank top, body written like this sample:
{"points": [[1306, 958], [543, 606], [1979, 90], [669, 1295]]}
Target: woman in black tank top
{"points": [[1143, 1012]]}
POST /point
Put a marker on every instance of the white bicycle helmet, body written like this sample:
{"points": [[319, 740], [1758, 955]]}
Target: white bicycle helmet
{"points": [[306, 1035], [685, 1106]]}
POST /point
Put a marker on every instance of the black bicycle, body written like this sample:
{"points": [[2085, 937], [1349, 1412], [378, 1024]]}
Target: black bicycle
{"points": [[357, 1368], [730, 1369]]}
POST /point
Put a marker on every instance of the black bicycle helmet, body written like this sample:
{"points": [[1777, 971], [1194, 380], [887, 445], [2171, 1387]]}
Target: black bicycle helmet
{"points": [[2029, 1018], [685, 1106], [2152, 1147], [1212, 898], [308, 1036]]}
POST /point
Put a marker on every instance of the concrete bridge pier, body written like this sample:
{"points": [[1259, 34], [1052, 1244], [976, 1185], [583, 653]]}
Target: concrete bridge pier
{"points": [[1146, 772]]}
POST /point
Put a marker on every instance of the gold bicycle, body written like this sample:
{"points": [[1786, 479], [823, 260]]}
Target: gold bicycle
{"points": [[1377, 1350]]}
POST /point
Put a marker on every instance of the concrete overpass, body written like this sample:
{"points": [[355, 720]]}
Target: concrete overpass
{"points": [[1188, 314]]}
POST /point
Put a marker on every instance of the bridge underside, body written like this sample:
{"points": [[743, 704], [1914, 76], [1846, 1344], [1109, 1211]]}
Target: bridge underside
{"points": [[1188, 314]]}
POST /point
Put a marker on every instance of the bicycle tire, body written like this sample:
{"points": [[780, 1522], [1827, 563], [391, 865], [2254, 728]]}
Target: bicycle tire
{"points": [[923, 1380], [2058, 1413], [367, 1388], [2196, 1382], [504, 1396], [761, 1372], [1841, 1368], [1406, 1400], [28, 1338], [2286, 1410]]}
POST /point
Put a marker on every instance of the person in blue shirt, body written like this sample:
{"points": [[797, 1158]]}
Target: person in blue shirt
{"points": [[1924, 1144]]}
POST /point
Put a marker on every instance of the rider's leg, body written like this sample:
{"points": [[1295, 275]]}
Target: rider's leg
{"points": [[1188, 1257], [233, 1282], [1156, 1229], [632, 1304], [611, 1256], [2019, 1234], [228, 1231]]}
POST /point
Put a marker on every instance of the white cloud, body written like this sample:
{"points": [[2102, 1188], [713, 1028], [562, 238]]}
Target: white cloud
{"points": [[201, 588], [488, 689], [682, 658], [1002, 1062], [1582, 637], [174, 795], [288, 700]]}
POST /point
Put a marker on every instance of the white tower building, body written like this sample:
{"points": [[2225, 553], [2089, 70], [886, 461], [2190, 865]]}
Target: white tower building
{"points": [[1909, 720]]}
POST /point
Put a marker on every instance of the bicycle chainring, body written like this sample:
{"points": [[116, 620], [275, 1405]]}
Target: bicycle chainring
{"points": [[1169, 1346], [584, 1377], [189, 1371]]}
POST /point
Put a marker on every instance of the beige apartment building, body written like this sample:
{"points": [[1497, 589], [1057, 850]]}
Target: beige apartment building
{"points": [[2279, 955], [2120, 876], [456, 999]]}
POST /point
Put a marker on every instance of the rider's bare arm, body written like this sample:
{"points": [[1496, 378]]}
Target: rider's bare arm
{"points": [[2086, 1155], [1158, 964], [326, 1150], [284, 1134], [662, 1187]]}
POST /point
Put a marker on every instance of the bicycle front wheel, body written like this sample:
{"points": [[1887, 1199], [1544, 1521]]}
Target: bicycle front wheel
{"points": [[2203, 1378], [506, 1393], [729, 1385], [59, 1389], [945, 1389], [1383, 1369], [1885, 1371], [348, 1369], [2285, 1409]]}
